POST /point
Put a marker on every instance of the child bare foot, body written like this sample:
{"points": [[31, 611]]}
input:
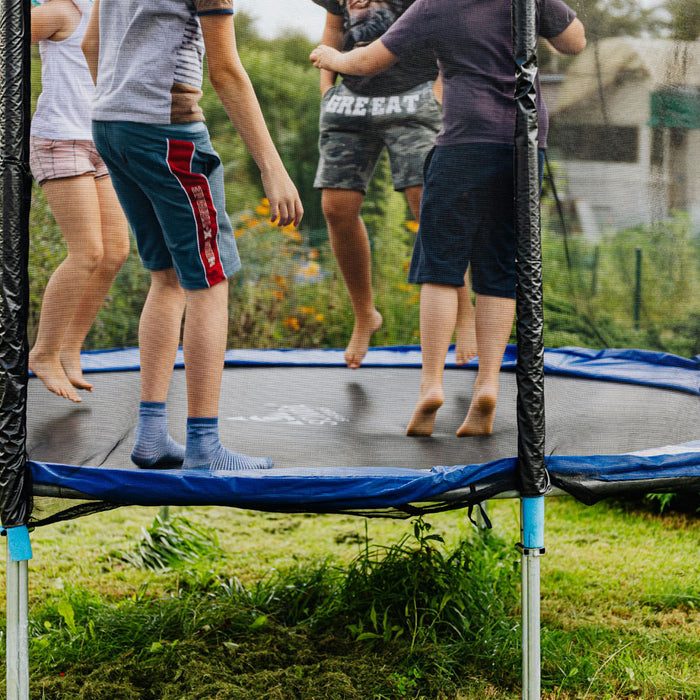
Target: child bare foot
{"points": [[74, 371], [52, 374], [482, 411], [426, 409], [466, 348], [359, 340]]}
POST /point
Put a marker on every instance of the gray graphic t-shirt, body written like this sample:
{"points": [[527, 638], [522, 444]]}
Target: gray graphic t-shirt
{"points": [[363, 22]]}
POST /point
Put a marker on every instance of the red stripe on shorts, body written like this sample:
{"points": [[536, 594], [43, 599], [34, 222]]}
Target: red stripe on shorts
{"points": [[196, 186]]}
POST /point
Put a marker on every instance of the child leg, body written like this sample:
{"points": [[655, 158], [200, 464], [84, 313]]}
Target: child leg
{"points": [[204, 345], [438, 316], [465, 347], [351, 249], [494, 321], [159, 337], [114, 231], [74, 205]]}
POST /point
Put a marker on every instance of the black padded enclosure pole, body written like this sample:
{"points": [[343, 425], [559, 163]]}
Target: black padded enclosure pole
{"points": [[15, 189], [533, 477]]}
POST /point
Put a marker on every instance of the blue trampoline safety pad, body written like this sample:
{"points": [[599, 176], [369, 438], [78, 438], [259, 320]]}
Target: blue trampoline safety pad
{"points": [[631, 366], [330, 489]]}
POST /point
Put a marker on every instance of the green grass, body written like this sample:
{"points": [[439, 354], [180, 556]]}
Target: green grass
{"points": [[293, 606]]}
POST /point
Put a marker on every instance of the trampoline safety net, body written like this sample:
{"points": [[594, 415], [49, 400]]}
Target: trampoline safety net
{"points": [[618, 230]]}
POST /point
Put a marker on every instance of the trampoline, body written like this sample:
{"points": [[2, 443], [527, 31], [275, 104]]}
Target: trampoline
{"points": [[337, 436], [618, 421]]}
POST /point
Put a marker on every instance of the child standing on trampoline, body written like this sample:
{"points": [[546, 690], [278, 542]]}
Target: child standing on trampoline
{"points": [[467, 205], [64, 161], [147, 60]]}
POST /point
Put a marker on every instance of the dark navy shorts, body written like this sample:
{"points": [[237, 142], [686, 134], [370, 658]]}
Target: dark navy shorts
{"points": [[467, 218], [170, 184]]}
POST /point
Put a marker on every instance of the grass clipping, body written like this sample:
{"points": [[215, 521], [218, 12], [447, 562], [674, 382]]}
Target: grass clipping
{"points": [[171, 542]]}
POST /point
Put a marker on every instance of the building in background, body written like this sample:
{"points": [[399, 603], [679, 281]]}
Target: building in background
{"points": [[625, 128]]}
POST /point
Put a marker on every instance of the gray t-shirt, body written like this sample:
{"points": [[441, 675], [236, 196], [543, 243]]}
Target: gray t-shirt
{"points": [[363, 22], [150, 65], [473, 45]]}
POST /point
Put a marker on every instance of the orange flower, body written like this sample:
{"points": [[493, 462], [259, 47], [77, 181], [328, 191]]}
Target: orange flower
{"points": [[238, 232], [279, 295], [319, 317], [412, 226], [292, 323], [279, 280], [313, 254]]}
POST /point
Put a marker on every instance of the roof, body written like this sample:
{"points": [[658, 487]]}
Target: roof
{"points": [[663, 62]]}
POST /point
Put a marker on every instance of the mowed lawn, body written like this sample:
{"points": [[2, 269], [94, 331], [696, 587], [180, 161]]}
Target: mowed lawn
{"points": [[620, 602]]}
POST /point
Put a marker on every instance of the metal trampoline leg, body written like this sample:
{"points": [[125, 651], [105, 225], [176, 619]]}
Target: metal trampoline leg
{"points": [[532, 548], [17, 645]]}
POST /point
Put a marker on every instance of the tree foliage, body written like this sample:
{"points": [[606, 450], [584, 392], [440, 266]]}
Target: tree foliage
{"points": [[605, 18], [685, 19]]}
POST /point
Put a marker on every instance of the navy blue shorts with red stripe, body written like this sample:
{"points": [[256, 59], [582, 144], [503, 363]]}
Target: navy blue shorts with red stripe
{"points": [[170, 184]]}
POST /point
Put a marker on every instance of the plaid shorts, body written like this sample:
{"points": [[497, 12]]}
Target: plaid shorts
{"points": [[355, 129], [52, 159]]}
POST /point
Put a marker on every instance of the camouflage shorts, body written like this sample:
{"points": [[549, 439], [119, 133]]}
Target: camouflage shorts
{"points": [[354, 130]]}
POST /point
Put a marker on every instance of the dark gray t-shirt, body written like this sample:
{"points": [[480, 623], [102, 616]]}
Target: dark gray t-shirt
{"points": [[364, 22], [473, 45]]}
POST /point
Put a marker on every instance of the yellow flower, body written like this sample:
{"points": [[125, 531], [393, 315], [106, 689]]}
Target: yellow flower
{"points": [[252, 223], [265, 202], [292, 234], [406, 265], [307, 309], [238, 232], [405, 287], [412, 226], [262, 211], [311, 269], [319, 317]]}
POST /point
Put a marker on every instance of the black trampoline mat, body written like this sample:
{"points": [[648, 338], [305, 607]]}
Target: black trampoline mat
{"points": [[333, 416]]}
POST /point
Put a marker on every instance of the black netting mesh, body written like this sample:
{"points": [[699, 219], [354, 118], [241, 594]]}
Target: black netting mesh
{"points": [[619, 224]]}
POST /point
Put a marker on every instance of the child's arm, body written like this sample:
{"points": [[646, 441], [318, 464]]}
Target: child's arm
{"points": [[91, 41], [55, 20], [572, 40], [365, 60], [233, 86], [333, 37]]}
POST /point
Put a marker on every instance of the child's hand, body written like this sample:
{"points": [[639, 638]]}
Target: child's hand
{"points": [[323, 56], [285, 205]]}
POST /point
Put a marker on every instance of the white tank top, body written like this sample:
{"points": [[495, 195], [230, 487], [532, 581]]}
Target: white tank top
{"points": [[63, 108]]}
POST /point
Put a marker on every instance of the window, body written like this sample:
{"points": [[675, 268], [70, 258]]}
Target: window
{"points": [[616, 144]]}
